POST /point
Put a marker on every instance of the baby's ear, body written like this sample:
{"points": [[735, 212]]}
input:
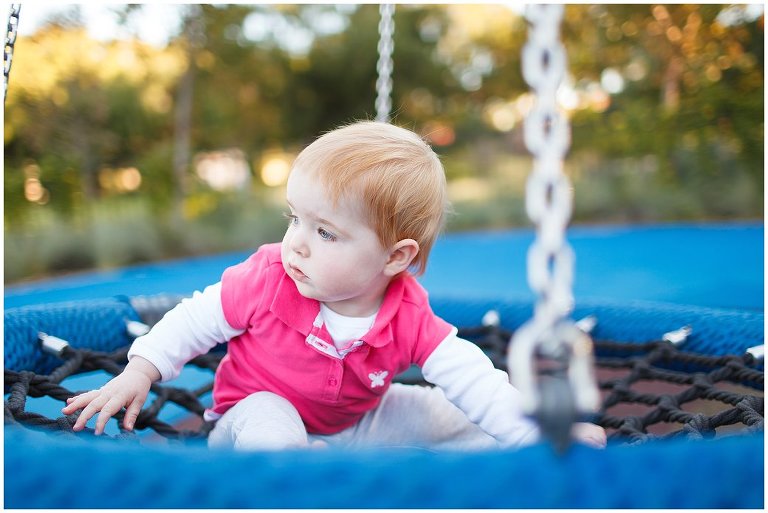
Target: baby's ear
{"points": [[401, 255]]}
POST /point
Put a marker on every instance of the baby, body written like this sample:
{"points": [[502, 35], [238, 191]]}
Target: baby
{"points": [[318, 326]]}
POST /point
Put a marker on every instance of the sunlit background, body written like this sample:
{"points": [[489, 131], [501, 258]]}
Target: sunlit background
{"points": [[144, 132]]}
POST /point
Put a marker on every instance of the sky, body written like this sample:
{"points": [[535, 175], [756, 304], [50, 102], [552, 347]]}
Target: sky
{"points": [[154, 24]]}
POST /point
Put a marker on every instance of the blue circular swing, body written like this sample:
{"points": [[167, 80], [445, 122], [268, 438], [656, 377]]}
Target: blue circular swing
{"points": [[47, 468]]}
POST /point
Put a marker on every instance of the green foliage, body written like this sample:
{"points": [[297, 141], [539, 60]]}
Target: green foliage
{"points": [[122, 231], [683, 139], [693, 93]]}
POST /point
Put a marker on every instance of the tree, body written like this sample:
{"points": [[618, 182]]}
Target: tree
{"points": [[691, 83]]}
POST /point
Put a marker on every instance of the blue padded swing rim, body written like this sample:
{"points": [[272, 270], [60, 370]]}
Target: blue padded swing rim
{"points": [[726, 472], [44, 472], [100, 324]]}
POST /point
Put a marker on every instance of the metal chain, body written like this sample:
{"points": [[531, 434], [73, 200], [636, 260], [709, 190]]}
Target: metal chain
{"points": [[10, 41], [550, 257], [384, 65], [548, 191]]}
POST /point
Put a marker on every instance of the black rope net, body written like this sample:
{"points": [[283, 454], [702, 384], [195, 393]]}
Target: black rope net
{"points": [[649, 391]]}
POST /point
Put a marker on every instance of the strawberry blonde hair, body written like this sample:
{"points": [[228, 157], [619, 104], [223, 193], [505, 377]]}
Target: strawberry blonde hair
{"points": [[397, 178]]}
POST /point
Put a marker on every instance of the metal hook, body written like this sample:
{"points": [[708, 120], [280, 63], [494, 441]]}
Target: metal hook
{"points": [[569, 392], [52, 345]]}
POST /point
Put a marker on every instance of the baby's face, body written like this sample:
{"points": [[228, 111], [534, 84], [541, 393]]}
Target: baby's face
{"points": [[331, 252]]}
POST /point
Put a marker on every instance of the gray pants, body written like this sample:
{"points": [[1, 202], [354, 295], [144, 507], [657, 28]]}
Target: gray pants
{"points": [[408, 416]]}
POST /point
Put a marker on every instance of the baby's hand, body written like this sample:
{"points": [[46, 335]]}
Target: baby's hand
{"points": [[129, 388], [589, 434]]}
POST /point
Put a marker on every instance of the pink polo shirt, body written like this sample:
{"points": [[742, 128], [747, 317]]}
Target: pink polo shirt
{"points": [[286, 349]]}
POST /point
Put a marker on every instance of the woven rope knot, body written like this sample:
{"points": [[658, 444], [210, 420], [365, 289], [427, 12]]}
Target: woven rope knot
{"points": [[18, 394], [664, 349], [668, 403], [751, 410], [65, 423], [699, 427], [632, 425], [635, 366], [702, 381], [642, 368], [633, 428], [622, 389], [126, 435]]}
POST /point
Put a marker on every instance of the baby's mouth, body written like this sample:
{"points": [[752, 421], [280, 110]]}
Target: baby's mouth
{"points": [[297, 273]]}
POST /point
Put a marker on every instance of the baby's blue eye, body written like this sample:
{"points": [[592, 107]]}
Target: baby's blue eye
{"points": [[292, 219], [325, 235]]}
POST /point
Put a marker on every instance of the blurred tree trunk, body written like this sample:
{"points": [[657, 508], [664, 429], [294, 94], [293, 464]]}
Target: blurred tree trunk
{"points": [[89, 162], [182, 147], [670, 91], [182, 138]]}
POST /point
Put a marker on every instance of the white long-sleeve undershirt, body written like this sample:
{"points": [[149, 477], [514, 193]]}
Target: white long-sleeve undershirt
{"points": [[457, 366], [190, 329]]}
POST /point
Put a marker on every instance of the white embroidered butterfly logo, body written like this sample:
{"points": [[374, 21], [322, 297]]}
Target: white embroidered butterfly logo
{"points": [[377, 378]]}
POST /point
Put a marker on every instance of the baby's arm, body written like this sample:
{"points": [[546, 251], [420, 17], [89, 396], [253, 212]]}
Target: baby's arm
{"points": [[484, 393], [192, 328]]}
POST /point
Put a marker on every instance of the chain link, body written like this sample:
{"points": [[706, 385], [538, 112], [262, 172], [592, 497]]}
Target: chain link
{"points": [[548, 192], [384, 65], [550, 257], [10, 40]]}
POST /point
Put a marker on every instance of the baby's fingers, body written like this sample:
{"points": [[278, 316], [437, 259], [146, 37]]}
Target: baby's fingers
{"points": [[590, 434], [594, 441], [107, 411], [89, 411], [132, 413], [76, 402]]}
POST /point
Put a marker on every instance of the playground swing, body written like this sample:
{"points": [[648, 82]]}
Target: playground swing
{"points": [[90, 335]]}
